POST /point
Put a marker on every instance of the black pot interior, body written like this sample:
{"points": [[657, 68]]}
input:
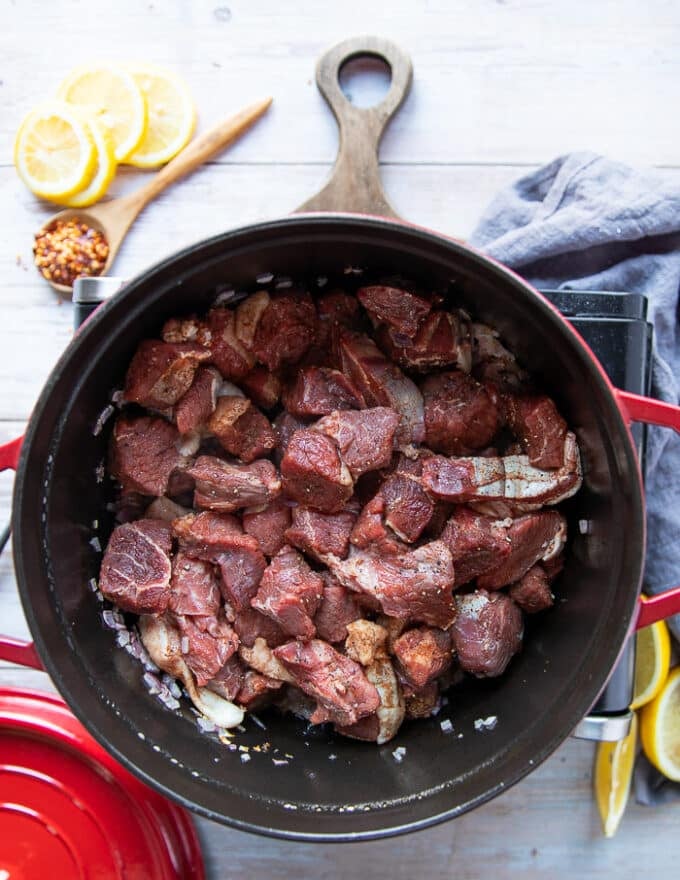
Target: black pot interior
{"points": [[330, 788]]}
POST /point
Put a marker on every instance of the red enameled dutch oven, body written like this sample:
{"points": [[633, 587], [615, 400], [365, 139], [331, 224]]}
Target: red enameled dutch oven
{"points": [[307, 784]]}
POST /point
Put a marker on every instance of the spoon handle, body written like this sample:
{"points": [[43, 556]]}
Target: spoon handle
{"points": [[195, 154]]}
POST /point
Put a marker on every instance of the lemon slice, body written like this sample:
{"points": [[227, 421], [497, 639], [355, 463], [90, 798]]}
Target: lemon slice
{"points": [[652, 662], [111, 96], [613, 775], [104, 170], [54, 151], [171, 112], [660, 728]]}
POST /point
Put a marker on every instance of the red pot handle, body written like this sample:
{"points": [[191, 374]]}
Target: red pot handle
{"points": [[19, 652], [9, 454]]}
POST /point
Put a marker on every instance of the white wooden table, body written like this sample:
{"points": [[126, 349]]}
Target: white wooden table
{"points": [[499, 88]]}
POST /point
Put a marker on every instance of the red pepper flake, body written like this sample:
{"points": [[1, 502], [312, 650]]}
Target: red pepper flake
{"points": [[68, 249]]}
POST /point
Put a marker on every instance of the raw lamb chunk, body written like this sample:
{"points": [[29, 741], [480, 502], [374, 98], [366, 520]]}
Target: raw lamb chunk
{"points": [[416, 585], [477, 543], [227, 353], [196, 406], [290, 593], [251, 625], [337, 608], [532, 593], [336, 309], [401, 310], [242, 429], [423, 654], [424, 702], [144, 454], [365, 438], [257, 690], [135, 570], [193, 587], [268, 525], [226, 486], [540, 428], [442, 340], [386, 721], [205, 535], [370, 530], [338, 684], [408, 507], [318, 534], [262, 386], [228, 680], [191, 329], [261, 658], [531, 537], [285, 425], [210, 642], [248, 314], [318, 391], [161, 372], [241, 567], [383, 384], [285, 330], [486, 633], [313, 472], [365, 641], [459, 414]]}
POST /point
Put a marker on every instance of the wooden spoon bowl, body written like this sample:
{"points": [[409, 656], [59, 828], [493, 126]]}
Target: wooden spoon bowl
{"points": [[113, 218]]}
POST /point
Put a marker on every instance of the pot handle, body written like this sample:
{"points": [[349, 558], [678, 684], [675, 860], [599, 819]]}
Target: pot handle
{"points": [[9, 454], [355, 184]]}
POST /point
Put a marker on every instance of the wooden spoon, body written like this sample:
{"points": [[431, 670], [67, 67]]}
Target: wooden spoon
{"points": [[114, 218]]}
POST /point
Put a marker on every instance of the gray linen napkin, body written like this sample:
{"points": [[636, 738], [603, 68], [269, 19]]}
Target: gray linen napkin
{"points": [[584, 222]]}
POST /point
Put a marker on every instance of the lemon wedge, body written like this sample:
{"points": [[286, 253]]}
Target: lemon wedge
{"points": [[105, 169], [54, 151], [171, 115], [660, 727], [612, 779], [109, 95], [652, 662]]}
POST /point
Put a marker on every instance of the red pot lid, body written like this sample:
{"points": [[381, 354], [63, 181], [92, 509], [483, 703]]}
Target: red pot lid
{"points": [[69, 810]]}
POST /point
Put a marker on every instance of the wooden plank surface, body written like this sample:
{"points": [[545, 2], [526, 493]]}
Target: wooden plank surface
{"points": [[499, 87]]}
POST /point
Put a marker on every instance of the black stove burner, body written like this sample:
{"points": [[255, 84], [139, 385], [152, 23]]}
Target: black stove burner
{"points": [[615, 327]]}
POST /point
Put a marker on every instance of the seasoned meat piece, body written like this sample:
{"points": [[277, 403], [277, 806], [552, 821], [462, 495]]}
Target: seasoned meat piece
{"points": [[399, 309], [191, 329], [227, 353], [241, 567], [443, 340], [257, 691], [540, 428], [226, 486], [477, 543], [408, 507], [365, 641], [486, 633], [209, 643], [416, 585], [193, 587], [262, 386], [285, 425], [251, 624], [318, 534], [383, 384], [510, 478], [248, 314], [135, 570], [336, 309], [365, 438], [313, 472], [261, 658], [424, 702], [165, 509], [423, 654], [338, 684], [532, 592], [492, 362], [242, 429], [196, 406], [386, 721], [228, 680], [290, 593], [143, 454], [459, 414], [531, 537], [394, 627], [285, 330], [370, 530], [161, 372], [318, 391], [205, 535], [161, 637], [268, 525], [336, 609]]}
